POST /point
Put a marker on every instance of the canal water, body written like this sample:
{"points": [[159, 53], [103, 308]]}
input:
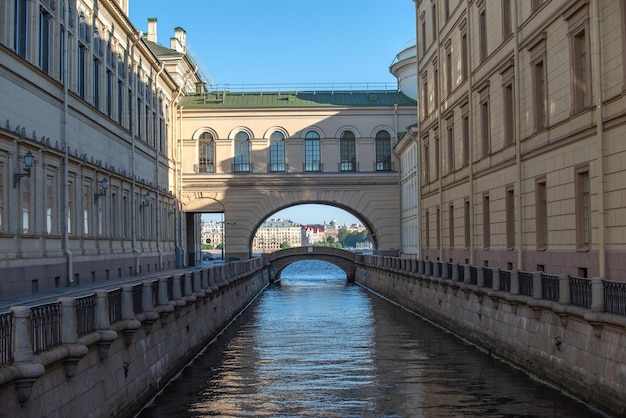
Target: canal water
{"points": [[315, 346]]}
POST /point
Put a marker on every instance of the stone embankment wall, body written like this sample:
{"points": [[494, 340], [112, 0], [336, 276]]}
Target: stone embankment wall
{"points": [[575, 348], [140, 336]]}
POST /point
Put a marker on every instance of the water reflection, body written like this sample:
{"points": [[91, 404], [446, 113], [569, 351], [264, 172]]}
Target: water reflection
{"points": [[315, 346]]}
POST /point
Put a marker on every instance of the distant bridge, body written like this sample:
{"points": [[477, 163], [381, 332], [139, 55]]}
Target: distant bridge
{"points": [[341, 258]]}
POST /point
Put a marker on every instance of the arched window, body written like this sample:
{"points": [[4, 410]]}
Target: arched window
{"points": [[277, 152], [206, 153], [383, 151], [347, 152], [312, 154], [242, 153]]}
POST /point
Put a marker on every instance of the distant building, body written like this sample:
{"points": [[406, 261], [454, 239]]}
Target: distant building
{"points": [[312, 234], [214, 232], [275, 232]]}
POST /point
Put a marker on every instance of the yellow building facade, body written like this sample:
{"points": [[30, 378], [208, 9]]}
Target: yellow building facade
{"points": [[521, 120]]}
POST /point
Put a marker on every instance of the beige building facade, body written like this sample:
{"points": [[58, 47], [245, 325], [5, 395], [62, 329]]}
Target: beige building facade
{"points": [[87, 174], [521, 121]]}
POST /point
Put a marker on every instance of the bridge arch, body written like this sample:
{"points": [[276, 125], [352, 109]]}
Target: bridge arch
{"points": [[343, 259]]}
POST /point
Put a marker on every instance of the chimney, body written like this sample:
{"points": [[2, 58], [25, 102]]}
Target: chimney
{"points": [[152, 29], [179, 41]]}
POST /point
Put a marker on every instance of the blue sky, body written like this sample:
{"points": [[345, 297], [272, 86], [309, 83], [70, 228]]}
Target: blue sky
{"points": [[288, 41]]}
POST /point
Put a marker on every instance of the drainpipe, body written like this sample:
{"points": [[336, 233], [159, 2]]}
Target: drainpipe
{"points": [[470, 117], [518, 139], [597, 77], [132, 157], [156, 176], [440, 133], [395, 126], [177, 224], [66, 159]]}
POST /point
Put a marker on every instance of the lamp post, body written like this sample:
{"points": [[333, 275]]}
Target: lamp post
{"points": [[29, 160], [104, 185]]}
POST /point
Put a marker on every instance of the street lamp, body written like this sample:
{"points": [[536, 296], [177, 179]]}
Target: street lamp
{"points": [[146, 201], [104, 184], [29, 160]]}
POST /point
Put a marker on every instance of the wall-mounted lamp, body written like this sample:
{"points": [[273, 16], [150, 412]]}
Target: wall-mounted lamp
{"points": [[171, 208], [104, 185], [558, 343], [29, 160], [146, 201]]}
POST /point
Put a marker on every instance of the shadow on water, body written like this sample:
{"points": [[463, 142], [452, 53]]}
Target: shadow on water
{"points": [[313, 345]]}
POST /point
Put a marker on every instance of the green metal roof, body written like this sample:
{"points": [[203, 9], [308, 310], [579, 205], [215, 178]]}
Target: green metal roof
{"points": [[228, 99]]}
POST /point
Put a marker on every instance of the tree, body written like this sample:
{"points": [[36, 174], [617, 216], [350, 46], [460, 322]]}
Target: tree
{"points": [[285, 245]]}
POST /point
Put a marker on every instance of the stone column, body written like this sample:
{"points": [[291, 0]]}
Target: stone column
{"points": [[564, 291], [22, 344], [102, 310], [480, 276], [127, 301], [537, 288], [514, 282], [597, 294], [176, 293], [163, 291], [467, 274], [496, 279]]}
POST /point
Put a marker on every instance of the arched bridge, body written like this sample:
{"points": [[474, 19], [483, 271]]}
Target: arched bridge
{"points": [[341, 258]]}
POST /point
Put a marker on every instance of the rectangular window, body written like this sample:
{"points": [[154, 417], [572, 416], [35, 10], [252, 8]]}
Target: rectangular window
{"points": [[583, 209], [51, 209], [482, 34], [125, 215], [540, 95], [541, 214], [140, 126], [509, 115], [510, 218], [277, 155], [86, 209], [436, 160], [450, 126], [81, 72], [109, 94], [423, 37], [115, 225], [438, 224], [581, 72], [435, 88], [465, 140], [21, 28], [96, 83], [484, 119], [120, 102], [427, 227], [425, 95], [466, 221], [451, 225], [426, 163], [464, 57], [434, 20], [62, 54], [448, 70], [486, 223], [312, 155], [44, 40], [507, 29], [70, 207], [26, 206]]}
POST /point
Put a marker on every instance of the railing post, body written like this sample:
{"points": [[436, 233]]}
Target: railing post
{"points": [[420, 267], [162, 291], [514, 282], [444, 270], [480, 276], [176, 294], [537, 288], [102, 310], [187, 284], [467, 274], [455, 272], [564, 291], [436, 269], [146, 296], [69, 330], [495, 285], [22, 343], [127, 301], [597, 294]]}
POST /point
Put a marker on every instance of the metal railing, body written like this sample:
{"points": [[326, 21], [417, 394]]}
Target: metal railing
{"points": [[115, 305], [45, 326], [505, 280], [488, 277], [85, 315], [550, 287], [137, 298], [615, 297], [6, 339], [580, 291], [525, 283]]}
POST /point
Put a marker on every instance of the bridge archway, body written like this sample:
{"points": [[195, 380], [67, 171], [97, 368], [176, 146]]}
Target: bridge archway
{"points": [[343, 259], [247, 201]]}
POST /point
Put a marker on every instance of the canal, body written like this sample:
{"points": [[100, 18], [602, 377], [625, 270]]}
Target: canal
{"points": [[314, 346]]}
